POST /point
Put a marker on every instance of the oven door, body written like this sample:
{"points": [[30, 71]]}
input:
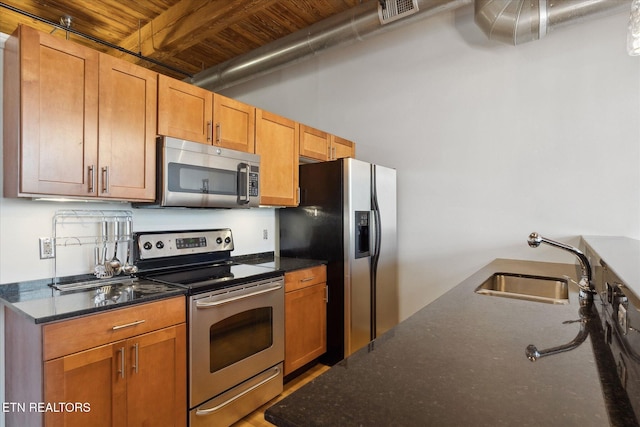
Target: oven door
{"points": [[199, 175], [235, 334]]}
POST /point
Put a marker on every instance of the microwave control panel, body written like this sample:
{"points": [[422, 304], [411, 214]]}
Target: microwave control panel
{"points": [[254, 179]]}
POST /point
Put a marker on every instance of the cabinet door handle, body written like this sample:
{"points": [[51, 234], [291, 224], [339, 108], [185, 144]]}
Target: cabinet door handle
{"points": [[326, 294], [91, 178], [121, 370], [306, 279], [105, 179], [135, 358], [334, 153], [209, 130], [128, 325], [218, 133]]}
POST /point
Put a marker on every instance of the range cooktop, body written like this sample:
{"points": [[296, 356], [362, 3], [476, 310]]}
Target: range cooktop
{"points": [[198, 260]]}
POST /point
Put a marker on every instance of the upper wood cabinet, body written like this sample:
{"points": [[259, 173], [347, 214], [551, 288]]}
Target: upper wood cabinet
{"points": [[51, 116], [320, 145], [234, 124], [127, 136], [340, 147], [314, 143], [189, 112], [77, 122], [185, 111], [277, 141]]}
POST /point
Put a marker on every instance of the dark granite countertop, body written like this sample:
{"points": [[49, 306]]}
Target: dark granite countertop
{"points": [[37, 300], [42, 303], [283, 264], [460, 361]]}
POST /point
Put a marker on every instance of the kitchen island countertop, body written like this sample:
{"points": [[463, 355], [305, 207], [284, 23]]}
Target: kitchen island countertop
{"points": [[461, 361]]}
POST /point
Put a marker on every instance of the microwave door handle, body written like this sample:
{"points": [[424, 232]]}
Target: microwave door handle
{"points": [[243, 170]]}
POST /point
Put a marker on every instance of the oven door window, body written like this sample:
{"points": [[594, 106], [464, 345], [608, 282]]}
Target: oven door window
{"points": [[237, 337], [183, 178]]}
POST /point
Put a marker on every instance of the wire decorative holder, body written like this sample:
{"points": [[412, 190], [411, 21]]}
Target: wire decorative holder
{"points": [[92, 227]]}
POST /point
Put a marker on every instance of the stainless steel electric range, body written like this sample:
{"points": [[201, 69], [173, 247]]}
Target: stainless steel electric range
{"points": [[235, 320]]}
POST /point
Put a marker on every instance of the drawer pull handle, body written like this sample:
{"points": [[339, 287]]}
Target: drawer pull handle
{"points": [[306, 279], [128, 325], [201, 412]]}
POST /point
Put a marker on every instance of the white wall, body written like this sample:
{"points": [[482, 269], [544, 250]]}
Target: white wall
{"points": [[491, 141], [24, 221]]}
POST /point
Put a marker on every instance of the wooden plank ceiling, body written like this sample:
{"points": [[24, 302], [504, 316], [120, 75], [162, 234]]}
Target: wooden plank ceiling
{"points": [[189, 35]]}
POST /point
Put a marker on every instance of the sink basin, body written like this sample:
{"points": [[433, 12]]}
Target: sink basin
{"points": [[549, 290]]}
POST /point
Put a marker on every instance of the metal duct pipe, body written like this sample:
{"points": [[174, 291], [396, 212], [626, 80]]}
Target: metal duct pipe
{"points": [[354, 24], [521, 21]]}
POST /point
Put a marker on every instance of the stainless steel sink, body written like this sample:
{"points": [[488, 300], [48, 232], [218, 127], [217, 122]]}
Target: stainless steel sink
{"points": [[551, 290]]}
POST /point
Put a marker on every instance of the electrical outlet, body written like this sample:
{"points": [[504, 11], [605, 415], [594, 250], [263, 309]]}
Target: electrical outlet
{"points": [[265, 234], [46, 248]]}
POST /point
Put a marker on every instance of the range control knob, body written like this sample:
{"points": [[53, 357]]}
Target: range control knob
{"points": [[219, 240], [227, 240], [147, 245], [159, 244]]}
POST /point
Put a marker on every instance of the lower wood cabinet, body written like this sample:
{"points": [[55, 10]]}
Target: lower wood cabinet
{"points": [[125, 367], [305, 316]]}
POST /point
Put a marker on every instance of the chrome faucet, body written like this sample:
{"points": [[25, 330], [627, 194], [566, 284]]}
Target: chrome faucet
{"points": [[586, 314], [585, 283]]}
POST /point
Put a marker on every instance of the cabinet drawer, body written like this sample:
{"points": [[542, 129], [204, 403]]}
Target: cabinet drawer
{"points": [[303, 278], [70, 336]]}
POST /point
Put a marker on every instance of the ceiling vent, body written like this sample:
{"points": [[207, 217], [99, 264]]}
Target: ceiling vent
{"points": [[392, 10]]}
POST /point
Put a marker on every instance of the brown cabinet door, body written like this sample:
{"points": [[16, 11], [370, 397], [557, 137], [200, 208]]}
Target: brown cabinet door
{"points": [[136, 382], [59, 115], [314, 143], [93, 378], [185, 111], [157, 378], [341, 147], [277, 144], [234, 124], [305, 326], [127, 130]]}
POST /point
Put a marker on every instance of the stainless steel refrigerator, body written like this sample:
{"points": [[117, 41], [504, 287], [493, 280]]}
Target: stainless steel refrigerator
{"points": [[347, 216]]}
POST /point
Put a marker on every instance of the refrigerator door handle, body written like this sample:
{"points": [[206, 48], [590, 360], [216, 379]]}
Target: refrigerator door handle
{"points": [[376, 231]]}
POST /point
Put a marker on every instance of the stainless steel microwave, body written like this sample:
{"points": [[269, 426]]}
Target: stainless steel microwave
{"points": [[197, 175]]}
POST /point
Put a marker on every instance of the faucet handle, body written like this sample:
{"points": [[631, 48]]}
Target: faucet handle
{"points": [[534, 240]]}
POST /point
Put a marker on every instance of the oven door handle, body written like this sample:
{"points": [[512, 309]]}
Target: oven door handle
{"points": [[202, 304], [202, 412]]}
